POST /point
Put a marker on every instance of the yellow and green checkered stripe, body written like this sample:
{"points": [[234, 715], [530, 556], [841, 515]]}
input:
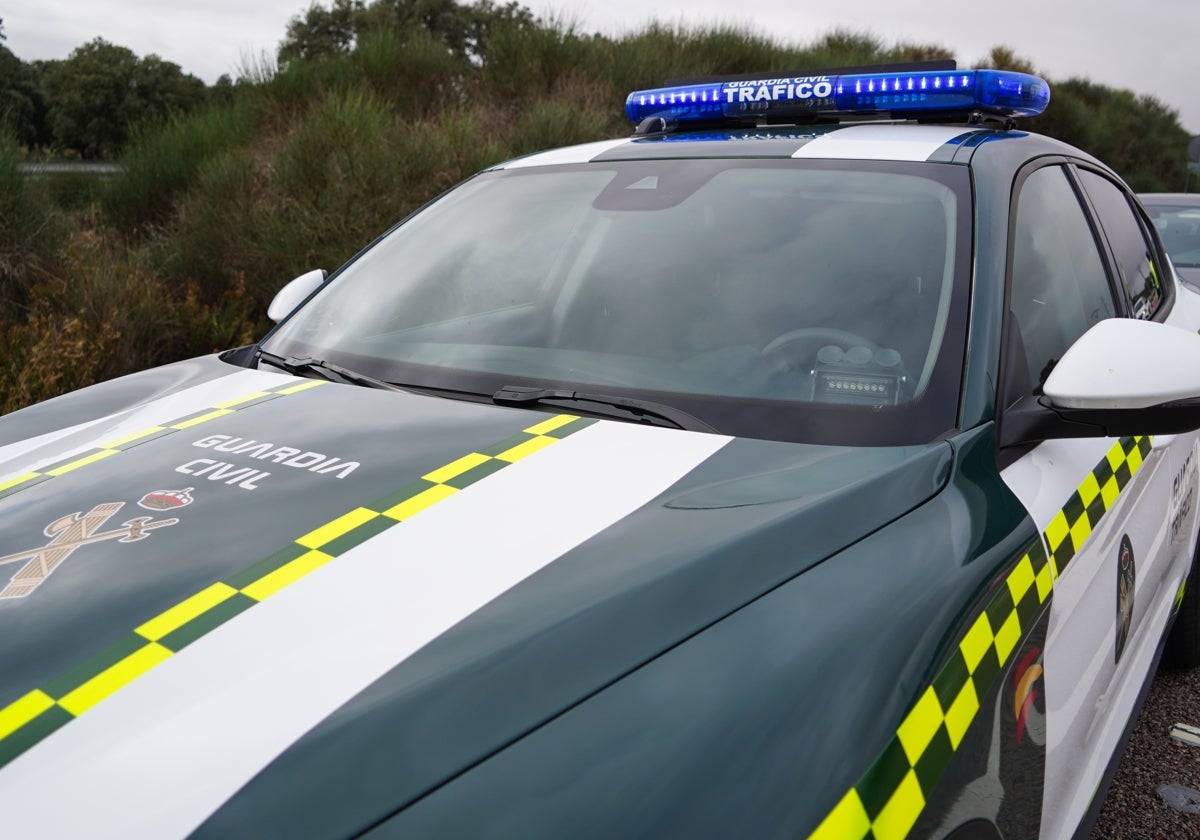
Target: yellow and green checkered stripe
{"points": [[124, 444], [892, 793], [1074, 523], [31, 718]]}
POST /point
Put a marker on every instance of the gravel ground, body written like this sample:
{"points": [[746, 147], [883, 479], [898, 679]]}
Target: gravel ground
{"points": [[1133, 810]]}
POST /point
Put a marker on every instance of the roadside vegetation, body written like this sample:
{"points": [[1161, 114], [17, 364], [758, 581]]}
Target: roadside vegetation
{"points": [[368, 111]]}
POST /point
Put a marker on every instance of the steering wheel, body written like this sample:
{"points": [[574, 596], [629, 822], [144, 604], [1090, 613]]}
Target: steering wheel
{"points": [[824, 335], [816, 337]]}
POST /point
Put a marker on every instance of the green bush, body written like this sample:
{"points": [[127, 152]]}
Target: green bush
{"points": [[563, 120], [104, 311], [213, 237], [524, 65], [1137, 136], [29, 229], [162, 161], [412, 71], [310, 198], [72, 191], [334, 174]]}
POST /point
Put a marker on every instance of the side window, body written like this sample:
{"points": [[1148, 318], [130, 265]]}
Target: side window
{"points": [[1059, 285], [1127, 238]]}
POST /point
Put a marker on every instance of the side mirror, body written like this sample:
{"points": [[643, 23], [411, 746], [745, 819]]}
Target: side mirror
{"points": [[1122, 377], [1121, 363], [295, 293]]}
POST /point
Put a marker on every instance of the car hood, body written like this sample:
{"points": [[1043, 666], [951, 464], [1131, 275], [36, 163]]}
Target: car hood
{"points": [[1189, 275], [334, 599]]}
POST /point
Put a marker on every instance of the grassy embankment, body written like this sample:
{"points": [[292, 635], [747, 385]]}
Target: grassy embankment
{"points": [[216, 211]]}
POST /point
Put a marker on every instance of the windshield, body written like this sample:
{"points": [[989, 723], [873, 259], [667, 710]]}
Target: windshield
{"points": [[791, 300], [1179, 229]]}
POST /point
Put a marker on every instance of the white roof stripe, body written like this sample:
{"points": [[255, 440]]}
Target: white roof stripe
{"points": [[570, 154], [881, 142], [142, 763], [23, 456]]}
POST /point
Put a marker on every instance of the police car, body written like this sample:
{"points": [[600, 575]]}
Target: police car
{"points": [[819, 462], [1176, 217]]}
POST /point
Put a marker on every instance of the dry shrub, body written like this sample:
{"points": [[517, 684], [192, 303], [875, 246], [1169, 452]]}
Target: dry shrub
{"points": [[107, 312], [56, 353]]}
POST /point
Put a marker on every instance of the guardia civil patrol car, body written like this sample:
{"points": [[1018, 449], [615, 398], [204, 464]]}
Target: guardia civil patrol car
{"points": [[779, 471]]}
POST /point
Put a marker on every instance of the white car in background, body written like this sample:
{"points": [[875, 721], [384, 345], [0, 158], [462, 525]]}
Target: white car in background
{"points": [[1177, 218]]}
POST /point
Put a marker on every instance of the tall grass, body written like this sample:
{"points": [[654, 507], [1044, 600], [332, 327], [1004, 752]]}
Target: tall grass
{"points": [[411, 70], [29, 229], [213, 237], [685, 51], [330, 179], [309, 198], [162, 160], [103, 310], [521, 66]]}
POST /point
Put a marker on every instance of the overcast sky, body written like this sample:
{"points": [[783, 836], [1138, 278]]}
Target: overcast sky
{"points": [[1149, 48]]}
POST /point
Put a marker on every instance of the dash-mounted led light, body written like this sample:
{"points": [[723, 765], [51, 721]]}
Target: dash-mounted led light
{"points": [[993, 92]]}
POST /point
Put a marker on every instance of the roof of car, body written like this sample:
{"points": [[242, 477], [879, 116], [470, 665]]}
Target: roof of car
{"points": [[885, 141], [1169, 198]]}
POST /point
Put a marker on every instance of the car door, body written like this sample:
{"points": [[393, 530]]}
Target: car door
{"points": [[1104, 506]]}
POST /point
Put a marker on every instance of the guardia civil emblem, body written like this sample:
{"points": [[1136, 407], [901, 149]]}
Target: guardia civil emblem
{"points": [[75, 530], [1126, 582]]}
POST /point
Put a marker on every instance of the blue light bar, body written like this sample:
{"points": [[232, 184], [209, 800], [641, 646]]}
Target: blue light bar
{"points": [[996, 92]]}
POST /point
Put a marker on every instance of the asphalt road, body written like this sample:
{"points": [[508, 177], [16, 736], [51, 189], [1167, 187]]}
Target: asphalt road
{"points": [[1133, 810]]}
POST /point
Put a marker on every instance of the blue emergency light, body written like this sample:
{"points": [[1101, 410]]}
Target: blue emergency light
{"points": [[911, 94]]}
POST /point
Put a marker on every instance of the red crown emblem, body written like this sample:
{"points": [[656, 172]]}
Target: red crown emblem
{"points": [[167, 499]]}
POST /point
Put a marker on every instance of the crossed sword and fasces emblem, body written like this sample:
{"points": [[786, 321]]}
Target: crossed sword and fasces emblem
{"points": [[67, 534]]}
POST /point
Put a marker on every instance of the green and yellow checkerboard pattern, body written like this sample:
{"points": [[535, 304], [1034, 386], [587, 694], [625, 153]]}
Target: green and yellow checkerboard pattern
{"points": [[892, 793], [35, 715], [1074, 523], [124, 444]]}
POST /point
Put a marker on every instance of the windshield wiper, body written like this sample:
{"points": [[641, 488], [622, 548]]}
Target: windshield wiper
{"points": [[328, 371], [634, 410]]}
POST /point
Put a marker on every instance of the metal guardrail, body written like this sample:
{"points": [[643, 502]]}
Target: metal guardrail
{"points": [[103, 169]]}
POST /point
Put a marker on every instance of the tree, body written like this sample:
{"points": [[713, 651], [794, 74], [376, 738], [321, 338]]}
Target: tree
{"points": [[464, 29], [96, 95], [22, 109], [322, 32], [1138, 136], [222, 91], [160, 88], [1003, 58]]}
